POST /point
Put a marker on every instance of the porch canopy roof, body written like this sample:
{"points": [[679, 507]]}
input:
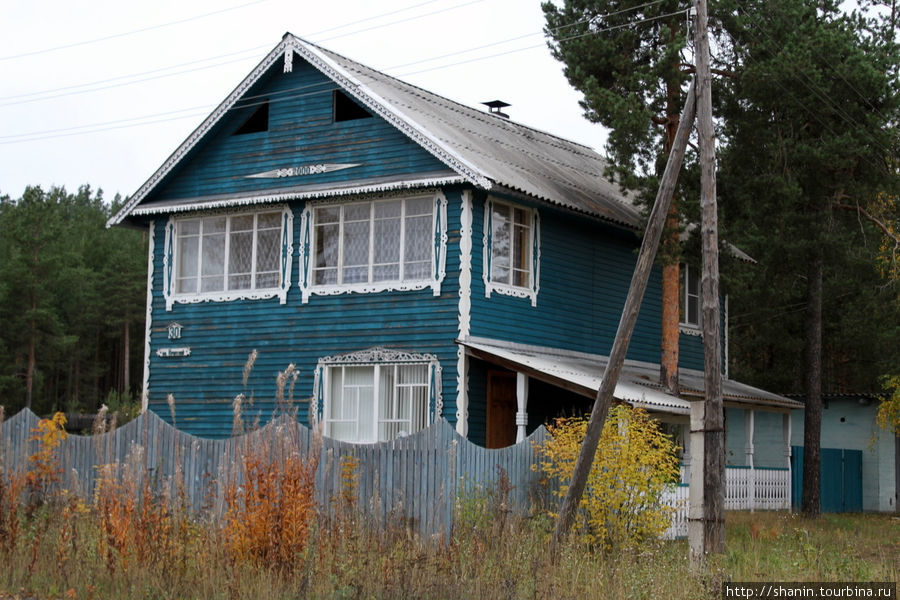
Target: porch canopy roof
{"points": [[638, 383]]}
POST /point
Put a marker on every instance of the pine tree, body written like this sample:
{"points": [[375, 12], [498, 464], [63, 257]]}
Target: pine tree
{"points": [[809, 125]]}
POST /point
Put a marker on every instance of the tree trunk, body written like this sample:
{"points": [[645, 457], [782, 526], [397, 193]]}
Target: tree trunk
{"points": [[812, 415], [668, 361], [668, 364]]}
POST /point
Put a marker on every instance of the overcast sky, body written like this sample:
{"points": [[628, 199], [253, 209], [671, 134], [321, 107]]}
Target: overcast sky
{"points": [[102, 95]]}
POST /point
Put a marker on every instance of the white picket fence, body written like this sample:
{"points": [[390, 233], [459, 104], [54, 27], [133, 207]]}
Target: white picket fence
{"points": [[745, 489]]}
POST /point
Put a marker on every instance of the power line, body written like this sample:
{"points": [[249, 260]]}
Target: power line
{"points": [[128, 33], [166, 116], [159, 73]]}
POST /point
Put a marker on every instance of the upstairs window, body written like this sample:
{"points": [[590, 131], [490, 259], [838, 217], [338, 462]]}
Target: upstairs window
{"points": [[690, 296], [227, 257], [511, 250], [369, 242], [221, 253], [374, 245]]}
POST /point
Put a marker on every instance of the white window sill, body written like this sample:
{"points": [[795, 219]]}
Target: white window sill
{"points": [[372, 288], [690, 330]]}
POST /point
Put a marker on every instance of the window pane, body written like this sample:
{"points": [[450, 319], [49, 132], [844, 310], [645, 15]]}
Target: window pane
{"points": [[388, 210], [419, 206], [187, 261], [356, 252], [326, 253], [693, 311], [270, 220], [387, 248], [500, 242], [693, 282], [242, 223], [191, 227], [212, 260], [521, 250], [268, 258], [328, 214], [240, 254], [418, 238]]}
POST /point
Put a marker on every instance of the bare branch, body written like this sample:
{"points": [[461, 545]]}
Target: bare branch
{"points": [[872, 219]]}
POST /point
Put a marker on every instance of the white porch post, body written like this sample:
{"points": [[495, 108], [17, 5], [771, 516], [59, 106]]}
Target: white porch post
{"points": [[686, 454], [786, 435], [522, 402], [749, 424]]}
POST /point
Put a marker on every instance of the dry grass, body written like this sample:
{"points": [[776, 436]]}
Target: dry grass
{"points": [[131, 541]]}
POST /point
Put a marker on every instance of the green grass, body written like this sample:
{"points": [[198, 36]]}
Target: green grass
{"points": [[64, 558]]}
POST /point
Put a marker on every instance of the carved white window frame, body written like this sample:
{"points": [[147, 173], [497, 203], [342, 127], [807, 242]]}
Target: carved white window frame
{"points": [[375, 357], [170, 261], [439, 251], [530, 292]]}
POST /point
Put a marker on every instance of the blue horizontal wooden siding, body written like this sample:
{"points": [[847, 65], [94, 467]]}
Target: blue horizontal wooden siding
{"points": [[221, 336], [301, 132], [585, 272]]}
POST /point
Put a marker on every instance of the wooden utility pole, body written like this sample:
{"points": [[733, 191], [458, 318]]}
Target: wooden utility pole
{"points": [[639, 280], [706, 524]]}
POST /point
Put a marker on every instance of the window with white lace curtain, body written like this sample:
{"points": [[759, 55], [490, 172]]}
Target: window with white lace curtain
{"points": [[375, 403], [225, 253], [374, 241]]}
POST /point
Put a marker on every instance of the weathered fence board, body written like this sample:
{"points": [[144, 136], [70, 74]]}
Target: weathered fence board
{"points": [[416, 479]]}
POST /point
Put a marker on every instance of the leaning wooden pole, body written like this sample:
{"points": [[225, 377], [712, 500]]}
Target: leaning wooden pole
{"points": [[706, 521], [639, 280]]}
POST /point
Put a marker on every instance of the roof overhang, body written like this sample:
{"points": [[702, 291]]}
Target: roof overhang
{"points": [[638, 385], [308, 192]]}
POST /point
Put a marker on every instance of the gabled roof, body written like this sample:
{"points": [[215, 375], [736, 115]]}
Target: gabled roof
{"points": [[485, 150]]}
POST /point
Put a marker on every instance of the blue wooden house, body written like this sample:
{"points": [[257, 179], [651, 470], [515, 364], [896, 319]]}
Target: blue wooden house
{"points": [[412, 257]]}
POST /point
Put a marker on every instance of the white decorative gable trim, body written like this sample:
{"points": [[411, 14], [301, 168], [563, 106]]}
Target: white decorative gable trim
{"points": [[530, 292], [376, 356], [307, 258], [284, 51], [287, 251]]}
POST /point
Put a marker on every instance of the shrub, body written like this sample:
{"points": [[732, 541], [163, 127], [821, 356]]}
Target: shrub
{"points": [[635, 461]]}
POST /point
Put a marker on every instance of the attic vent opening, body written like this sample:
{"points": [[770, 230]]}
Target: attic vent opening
{"points": [[256, 122], [346, 108]]}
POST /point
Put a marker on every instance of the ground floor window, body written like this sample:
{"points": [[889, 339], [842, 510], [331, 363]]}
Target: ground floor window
{"points": [[376, 402]]}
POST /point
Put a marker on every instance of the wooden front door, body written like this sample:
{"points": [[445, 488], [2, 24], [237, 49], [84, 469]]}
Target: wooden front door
{"points": [[501, 409]]}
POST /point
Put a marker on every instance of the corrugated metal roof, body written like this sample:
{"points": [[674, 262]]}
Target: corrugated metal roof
{"points": [[638, 382], [486, 150], [515, 156]]}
